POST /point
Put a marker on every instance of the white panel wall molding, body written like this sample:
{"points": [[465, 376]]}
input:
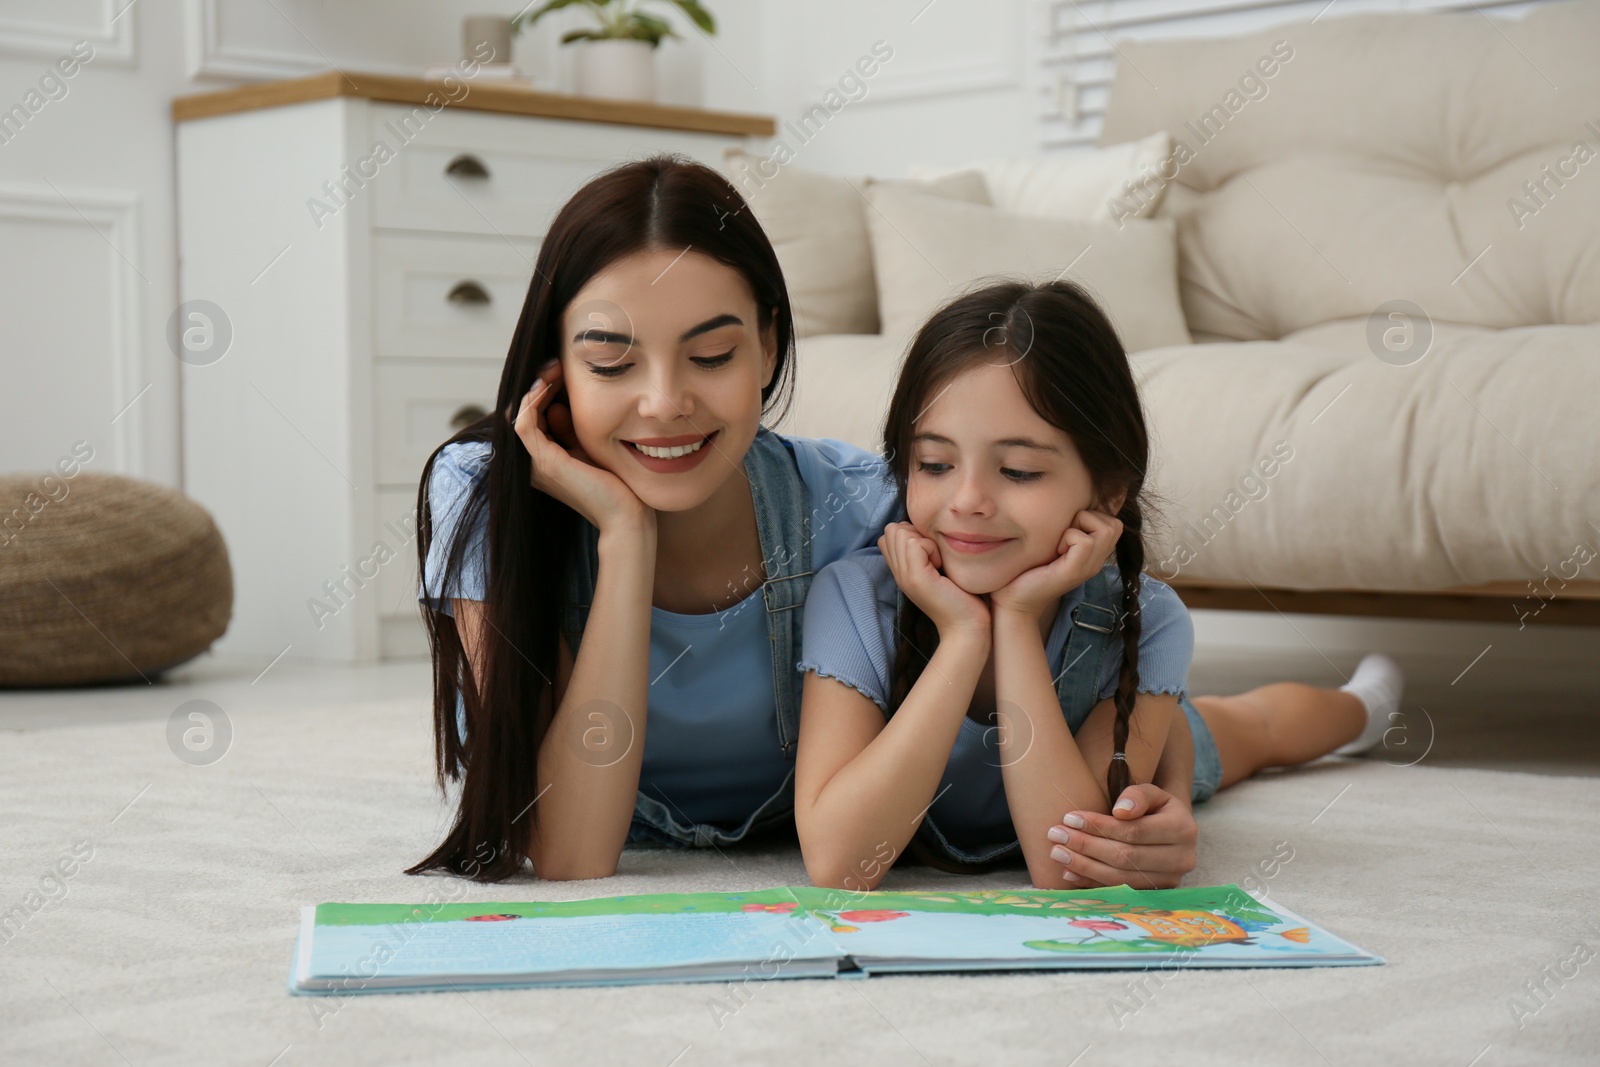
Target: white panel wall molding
{"points": [[212, 50], [114, 215], [939, 47], [48, 32], [1077, 56], [210, 56]]}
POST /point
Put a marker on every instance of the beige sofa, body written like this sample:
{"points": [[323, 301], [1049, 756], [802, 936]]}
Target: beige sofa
{"points": [[1388, 260]]}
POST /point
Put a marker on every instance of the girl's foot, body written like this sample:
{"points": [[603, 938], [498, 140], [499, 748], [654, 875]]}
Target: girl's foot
{"points": [[1377, 684]]}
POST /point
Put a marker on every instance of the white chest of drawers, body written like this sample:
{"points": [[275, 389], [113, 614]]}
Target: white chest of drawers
{"points": [[362, 258]]}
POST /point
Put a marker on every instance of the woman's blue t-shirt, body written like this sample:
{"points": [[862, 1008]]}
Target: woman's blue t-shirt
{"points": [[711, 749], [849, 635]]}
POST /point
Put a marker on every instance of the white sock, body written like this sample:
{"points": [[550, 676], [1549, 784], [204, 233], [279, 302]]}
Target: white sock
{"points": [[1377, 684]]}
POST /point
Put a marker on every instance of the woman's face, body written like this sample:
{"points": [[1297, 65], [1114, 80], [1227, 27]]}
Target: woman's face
{"points": [[662, 349], [991, 482]]}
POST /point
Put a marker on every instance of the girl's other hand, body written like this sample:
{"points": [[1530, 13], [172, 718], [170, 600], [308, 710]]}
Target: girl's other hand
{"points": [[561, 467], [914, 560], [1150, 844], [1085, 546]]}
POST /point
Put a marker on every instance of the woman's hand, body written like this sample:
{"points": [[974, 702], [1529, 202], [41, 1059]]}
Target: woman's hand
{"points": [[1150, 845], [561, 467], [1085, 546], [914, 560]]}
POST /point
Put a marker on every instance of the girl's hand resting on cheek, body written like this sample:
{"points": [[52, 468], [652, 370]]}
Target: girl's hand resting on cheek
{"points": [[561, 467], [914, 560], [1084, 548]]}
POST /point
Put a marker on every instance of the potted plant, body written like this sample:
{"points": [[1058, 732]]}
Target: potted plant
{"points": [[616, 60]]}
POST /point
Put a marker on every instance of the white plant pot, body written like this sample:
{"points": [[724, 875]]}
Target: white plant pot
{"points": [[615, 70]]}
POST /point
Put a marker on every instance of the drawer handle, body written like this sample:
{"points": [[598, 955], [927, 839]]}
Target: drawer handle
{"points": [[468, 292], [469, 414], [467, 166]]}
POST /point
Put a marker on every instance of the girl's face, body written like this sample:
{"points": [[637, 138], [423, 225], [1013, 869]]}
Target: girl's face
{"points": [[991, 482], [662, 349]]}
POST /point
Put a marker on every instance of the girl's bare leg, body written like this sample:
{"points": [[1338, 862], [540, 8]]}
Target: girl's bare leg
{"points": [[1279, 725]]}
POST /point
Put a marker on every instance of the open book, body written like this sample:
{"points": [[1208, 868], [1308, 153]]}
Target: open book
{"points": [[795, 932]]}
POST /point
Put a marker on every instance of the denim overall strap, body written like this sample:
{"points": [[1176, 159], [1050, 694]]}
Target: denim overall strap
{"points": [[783, 523], [1094, 621], [783, 518]]}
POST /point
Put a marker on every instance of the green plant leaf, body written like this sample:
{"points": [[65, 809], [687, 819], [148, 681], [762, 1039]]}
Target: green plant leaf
{"points": [[618, 22], [652, 28], [528, 18], [699, 15]]}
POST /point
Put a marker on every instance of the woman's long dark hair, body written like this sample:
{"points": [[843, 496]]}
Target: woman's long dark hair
{"points": [[664, 201], [1072, 368]]}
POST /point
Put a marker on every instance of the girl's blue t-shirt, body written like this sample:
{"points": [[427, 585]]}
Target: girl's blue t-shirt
{"points": [[849, 635], [711, 751]]}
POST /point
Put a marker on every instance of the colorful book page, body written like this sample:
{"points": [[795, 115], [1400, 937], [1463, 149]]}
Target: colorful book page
{"points": [[1119, 927], [788, 931]]}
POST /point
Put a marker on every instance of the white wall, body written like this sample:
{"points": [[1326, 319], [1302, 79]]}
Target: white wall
{"points": [[87, 268], [959, 84]]}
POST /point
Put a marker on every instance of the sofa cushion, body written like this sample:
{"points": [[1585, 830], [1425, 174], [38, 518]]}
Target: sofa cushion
{"points": [[1461, 171], [1437, 473], [817, 225], [1356, 336], [843, 383], [1114, 181], [927, 249]]}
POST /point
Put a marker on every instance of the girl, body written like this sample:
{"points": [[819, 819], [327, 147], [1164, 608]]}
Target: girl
{"points": [[987, 665]]}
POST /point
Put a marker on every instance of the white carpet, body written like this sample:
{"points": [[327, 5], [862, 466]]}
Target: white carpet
{"points": [[171, 944]]}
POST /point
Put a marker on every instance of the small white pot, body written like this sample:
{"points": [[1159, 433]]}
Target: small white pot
{"points": [[615, 70]]}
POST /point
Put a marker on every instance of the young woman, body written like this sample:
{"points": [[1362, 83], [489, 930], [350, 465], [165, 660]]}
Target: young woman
{"points": [[627, 491], [987, 665]]}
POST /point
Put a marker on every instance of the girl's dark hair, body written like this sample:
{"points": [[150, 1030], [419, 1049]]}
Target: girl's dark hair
{"points": [[664, 201], [1071, 366]]}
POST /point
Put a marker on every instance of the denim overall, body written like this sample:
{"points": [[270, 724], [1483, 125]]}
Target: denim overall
{"points": [[1094, 621], [783, 520]]}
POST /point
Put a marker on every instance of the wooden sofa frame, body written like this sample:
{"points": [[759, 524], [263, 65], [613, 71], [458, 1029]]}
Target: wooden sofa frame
{"points": [[1551, 601]]}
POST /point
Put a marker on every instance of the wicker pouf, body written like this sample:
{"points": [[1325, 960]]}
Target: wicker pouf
{"points": [[105, 578]]}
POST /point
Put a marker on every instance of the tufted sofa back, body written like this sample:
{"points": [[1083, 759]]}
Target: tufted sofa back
{"points": [[1323, 169]]}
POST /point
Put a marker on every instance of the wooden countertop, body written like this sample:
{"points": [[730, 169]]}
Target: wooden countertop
{"points": [[482, 96]]}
